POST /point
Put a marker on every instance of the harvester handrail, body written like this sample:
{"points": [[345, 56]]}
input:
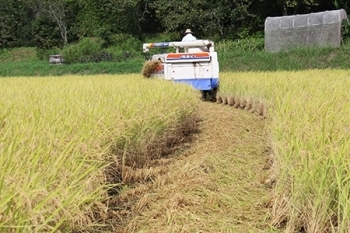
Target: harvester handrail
{"points": [[179, 44]]}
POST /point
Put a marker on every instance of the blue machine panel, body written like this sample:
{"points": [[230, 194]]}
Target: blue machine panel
{"points": [[201, 84]]}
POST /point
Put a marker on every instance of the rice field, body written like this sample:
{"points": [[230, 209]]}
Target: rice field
{"points": [[63, 141], [66, 143], [309, 124]]}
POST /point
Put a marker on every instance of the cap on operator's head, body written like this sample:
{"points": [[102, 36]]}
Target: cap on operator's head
{"points": [[188, 31]]}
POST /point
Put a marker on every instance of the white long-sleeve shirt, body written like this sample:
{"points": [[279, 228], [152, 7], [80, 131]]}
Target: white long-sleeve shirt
{"points": [[188, 37]]}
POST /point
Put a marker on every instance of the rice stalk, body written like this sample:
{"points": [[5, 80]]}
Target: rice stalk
{"points": [[149, 67]]}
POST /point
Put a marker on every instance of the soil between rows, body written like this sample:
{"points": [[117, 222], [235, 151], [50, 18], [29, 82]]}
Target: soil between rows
{"points": [[216, 184]]}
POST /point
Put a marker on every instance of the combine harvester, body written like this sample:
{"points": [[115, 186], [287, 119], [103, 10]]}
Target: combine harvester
{"points": [[195, 63]]}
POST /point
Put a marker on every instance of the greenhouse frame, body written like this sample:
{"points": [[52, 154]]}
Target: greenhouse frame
{"points": [[314, 29]]}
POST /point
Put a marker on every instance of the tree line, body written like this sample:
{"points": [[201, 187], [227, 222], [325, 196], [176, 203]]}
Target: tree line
{"points": [[46, 24]]}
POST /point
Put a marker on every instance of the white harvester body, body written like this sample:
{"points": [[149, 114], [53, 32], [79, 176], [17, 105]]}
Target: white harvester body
{"points": [[196, 65]]}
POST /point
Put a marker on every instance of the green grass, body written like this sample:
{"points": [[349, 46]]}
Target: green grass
{"points": [[40, 68], [18, 55], [233, 56], [301, 59]]}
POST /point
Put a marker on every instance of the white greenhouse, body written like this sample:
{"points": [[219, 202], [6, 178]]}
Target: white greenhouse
{"points": [[315, 29]]}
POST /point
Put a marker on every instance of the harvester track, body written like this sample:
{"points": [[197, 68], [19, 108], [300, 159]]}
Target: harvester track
{"points": [[218, 181]]}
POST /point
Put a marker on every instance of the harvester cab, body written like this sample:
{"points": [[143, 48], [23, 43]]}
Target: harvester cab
{"points": [[194, 63]]}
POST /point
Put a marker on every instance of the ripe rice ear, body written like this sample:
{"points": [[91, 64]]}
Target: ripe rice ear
{"points": [[261, 109], [231, 101], [237, 102], [149, 67], [218, 99], [249, 105], [264, 111], [255, 106], [243, 103]]}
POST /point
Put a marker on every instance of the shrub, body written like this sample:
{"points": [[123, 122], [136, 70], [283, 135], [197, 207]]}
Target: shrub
{"points": [[249, 44], [97, 57], [44, 54], [86, 47], [125, 42]]}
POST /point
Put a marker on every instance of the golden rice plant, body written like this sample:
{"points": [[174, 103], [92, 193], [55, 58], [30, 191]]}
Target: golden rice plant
{"points": [[309, 126], [59, 134]]}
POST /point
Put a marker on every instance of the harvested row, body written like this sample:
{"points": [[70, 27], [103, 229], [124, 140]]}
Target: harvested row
{"points": [[217, 184]]}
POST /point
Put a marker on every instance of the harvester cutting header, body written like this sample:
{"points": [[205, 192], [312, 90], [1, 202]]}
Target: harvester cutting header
{"points": [[194, 63]]}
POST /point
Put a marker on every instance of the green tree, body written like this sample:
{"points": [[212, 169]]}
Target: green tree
{"points": [[208, 18], [15, 18], [88, 17], [46, 34], [129, 16], [56, 12]]}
